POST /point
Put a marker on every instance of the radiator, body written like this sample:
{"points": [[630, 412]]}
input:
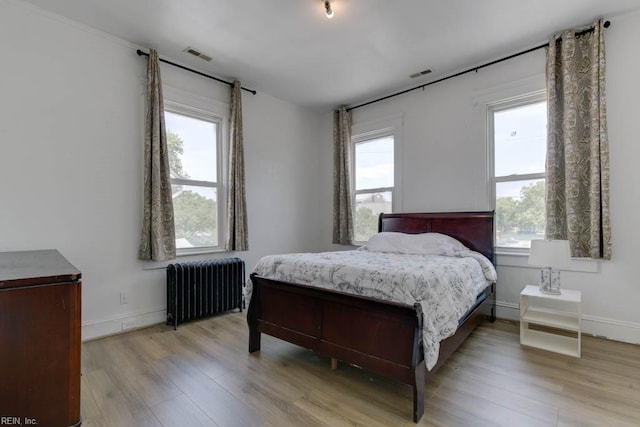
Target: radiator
{"points": [[204, 288]]}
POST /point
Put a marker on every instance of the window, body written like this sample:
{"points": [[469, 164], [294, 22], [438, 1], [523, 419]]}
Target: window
{"points": [[519, 134], [374, 180], [194, 144]]}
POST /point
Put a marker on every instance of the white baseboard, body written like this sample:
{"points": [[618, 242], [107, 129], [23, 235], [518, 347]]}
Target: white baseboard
{"points": [[612, 329], [122, 323], [617, 330], [507, 310]]}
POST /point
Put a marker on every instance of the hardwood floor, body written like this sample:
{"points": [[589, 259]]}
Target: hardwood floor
{"points": [[202, 375]]}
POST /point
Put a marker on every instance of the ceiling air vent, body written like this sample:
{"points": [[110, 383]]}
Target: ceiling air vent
{"points": [[196, 52], [420, 73]]}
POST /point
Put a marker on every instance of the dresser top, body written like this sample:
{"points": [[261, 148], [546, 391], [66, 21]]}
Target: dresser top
{"points": [[29, 268]]}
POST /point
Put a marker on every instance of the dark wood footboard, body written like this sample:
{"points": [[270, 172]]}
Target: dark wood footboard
{"points": [[380, 337]]}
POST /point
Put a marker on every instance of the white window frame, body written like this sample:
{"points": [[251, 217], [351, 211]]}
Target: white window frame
{"points": [[492, 108], [213, 115], [380, 128], [364, 138]]}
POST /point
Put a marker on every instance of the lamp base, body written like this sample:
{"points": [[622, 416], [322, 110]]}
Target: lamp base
{"points": [[550, 281]]}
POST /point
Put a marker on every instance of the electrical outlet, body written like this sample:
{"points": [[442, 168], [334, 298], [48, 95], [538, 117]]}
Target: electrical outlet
{"points": [[124, 298]]}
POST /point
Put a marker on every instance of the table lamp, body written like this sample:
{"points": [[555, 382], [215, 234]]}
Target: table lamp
{"points": [[550, 254]]}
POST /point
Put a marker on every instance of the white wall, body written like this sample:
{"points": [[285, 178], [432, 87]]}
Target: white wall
{"points": [[71, 122], [445, 161], [71, 128]]}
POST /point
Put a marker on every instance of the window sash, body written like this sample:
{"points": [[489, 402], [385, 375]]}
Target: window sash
{"points": [[193, 182], [520, 177], [365, 138], [375, 190], [372, 130], [195, 113], [492, 109]]}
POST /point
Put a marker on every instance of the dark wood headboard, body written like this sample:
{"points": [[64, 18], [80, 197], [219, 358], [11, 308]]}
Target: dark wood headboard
{"points": [[473, 229]]}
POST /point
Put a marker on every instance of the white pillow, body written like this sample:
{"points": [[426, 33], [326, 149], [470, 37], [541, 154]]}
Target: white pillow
{"points": [[420, 244]]}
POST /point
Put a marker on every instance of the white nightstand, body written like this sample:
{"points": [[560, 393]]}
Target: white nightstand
{"points": [[560, 312]]}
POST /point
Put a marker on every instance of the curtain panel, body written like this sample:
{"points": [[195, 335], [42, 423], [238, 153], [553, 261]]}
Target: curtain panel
{"points": [[342, 194], [577, 180], [158, 241], [237, 231]]}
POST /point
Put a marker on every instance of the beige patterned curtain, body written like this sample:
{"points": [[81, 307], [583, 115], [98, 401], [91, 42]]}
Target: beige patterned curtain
{"points": [[577, 182], [342, 196], [158, 241], [237, 231]]}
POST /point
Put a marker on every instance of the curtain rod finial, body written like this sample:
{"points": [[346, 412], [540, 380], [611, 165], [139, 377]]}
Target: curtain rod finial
{"points": [[607, 24]]}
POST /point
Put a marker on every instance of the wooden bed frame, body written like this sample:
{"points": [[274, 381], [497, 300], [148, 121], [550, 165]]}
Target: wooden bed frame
{"points": [[379, 336]]}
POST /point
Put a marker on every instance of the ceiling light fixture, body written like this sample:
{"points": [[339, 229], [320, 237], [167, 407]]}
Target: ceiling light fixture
{"points": [[327, 9]]}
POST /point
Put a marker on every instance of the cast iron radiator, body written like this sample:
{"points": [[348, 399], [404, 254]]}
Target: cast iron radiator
{"points": [[203, 288]]}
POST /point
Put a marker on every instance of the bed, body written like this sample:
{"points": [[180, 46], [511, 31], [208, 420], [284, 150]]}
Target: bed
{"points": [[382, 337]]}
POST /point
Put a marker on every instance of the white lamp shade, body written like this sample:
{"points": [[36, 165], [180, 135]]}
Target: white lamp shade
{"points": [[550, 253]]}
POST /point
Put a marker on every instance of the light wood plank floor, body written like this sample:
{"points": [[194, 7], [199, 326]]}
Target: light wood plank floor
{"points": [[202, 375]]}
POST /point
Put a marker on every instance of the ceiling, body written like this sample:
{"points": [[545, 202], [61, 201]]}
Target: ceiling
{"points": [[290, 50]]}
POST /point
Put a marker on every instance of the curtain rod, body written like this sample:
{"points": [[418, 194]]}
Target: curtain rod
{"points": [[141, 53], [606, 24]]}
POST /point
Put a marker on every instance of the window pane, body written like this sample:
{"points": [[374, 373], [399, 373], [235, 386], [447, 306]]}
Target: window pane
{"points": [[368, 207], [192, 147], [195, 214], [520, 136], [374, 163], [520, 213]]}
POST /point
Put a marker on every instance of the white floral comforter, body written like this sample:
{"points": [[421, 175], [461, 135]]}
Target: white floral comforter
{"points": [[446, 287]]}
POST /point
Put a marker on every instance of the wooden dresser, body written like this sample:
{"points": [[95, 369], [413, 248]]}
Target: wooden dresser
{"points": [[40, 343]]}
